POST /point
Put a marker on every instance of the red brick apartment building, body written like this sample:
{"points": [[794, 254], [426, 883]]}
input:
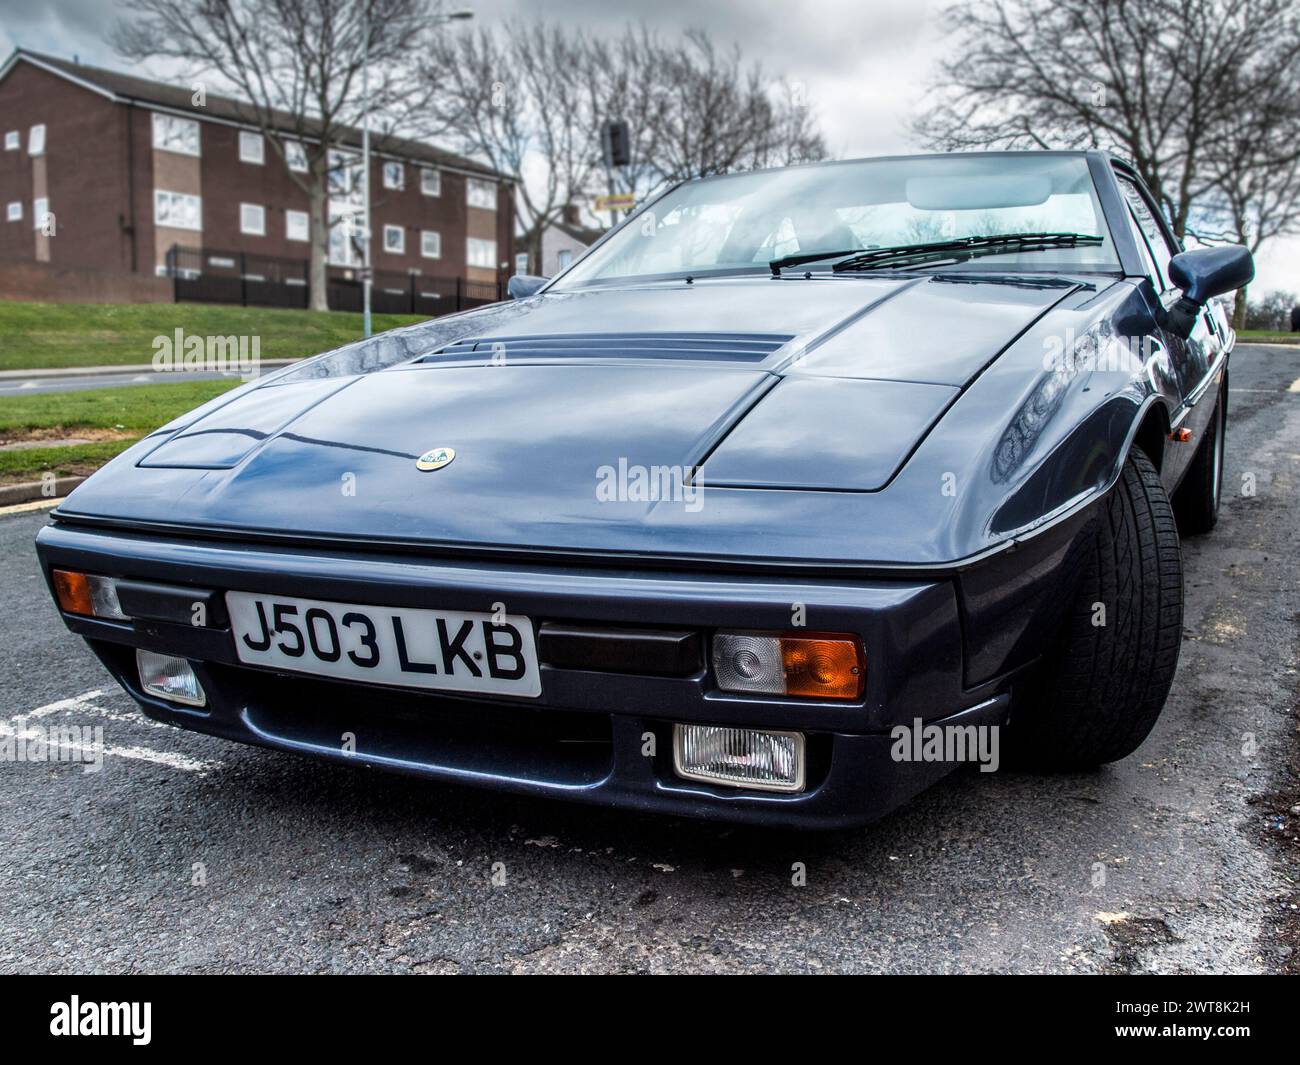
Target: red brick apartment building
{"points": [[130, 168]]}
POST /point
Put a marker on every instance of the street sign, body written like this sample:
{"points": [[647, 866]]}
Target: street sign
{"points": [[619, 201]]}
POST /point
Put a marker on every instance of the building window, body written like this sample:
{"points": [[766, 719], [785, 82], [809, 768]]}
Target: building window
{"points": [[394, 240], [296, 156], [481, 253], [13, 140], [173, 134], [177, 210], [430, 181], [252, 219], [295, 225], [252, 149], [430, 244], [394, 176], [481, 194], [14, 213], [345, 224], [36, 140], [565, 257], [344, 177], [40, 212]]}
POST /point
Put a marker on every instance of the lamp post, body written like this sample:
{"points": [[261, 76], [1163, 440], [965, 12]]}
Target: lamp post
{"points": [[366, 275]]}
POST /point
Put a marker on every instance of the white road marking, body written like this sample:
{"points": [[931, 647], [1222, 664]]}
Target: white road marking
{"points": [[77, 702], [167, 758], [1295, 385], [85, 703]]}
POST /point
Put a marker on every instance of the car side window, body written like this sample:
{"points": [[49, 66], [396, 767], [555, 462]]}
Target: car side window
{"points": [[1150, 232]]}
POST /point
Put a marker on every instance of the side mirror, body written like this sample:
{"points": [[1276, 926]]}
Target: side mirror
{"points": [[1203, 274], [521, 286]]}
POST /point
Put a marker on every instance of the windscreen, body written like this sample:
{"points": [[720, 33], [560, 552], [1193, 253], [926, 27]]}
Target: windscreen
{"points": [[740, 223]]}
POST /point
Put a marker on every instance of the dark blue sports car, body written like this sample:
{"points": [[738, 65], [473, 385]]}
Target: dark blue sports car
{"points": [[794, 491]]}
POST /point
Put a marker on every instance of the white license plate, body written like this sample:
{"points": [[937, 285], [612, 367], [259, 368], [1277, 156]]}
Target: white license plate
{"points": [[449, 650]]}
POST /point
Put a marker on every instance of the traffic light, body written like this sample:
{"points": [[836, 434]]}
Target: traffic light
{"points": [[616, 143]]}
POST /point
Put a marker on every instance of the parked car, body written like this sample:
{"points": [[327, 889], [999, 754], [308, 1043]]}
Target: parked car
{"points": [[789, 462]]}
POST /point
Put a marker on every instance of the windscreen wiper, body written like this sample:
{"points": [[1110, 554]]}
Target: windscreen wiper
{"points": [[962, 249], [809, 257]]}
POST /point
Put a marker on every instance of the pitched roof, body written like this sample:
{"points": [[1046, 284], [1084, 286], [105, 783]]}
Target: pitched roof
{"points": [[583, 234], [143, 90]]}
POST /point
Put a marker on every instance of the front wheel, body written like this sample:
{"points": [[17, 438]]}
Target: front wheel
{"points": [[1102, 685]]}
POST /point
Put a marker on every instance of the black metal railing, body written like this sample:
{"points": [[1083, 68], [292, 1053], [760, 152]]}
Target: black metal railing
{"points": [[209, 275]]}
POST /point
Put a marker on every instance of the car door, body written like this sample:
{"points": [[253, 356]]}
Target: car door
{"points": [[1197, 362]]}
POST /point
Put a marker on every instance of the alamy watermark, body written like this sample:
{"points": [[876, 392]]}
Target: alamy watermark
{"points": [[81, 745], [919, 742], [634, 483], [191, 353]]}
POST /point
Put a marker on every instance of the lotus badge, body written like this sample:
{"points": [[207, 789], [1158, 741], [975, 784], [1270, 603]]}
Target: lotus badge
{"points": [[435, 459]]}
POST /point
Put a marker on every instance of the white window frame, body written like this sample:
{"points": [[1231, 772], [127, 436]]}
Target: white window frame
{"points": [[13, 140], [425, 234], [36, 139], [160, 195], [252, 147], [305, 220], [243, 224], [14, 212], [293, 151], [40, 211], [427, 172], [401, 240], [340, 250], [470, 242], [400, 183], [348, 165], [161, 122], [486, 188]]}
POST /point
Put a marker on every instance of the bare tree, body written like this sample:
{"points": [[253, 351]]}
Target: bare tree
{"points": [[1174, 86], [294, 69], [516, 97], [531, 98], [1255, 195]]}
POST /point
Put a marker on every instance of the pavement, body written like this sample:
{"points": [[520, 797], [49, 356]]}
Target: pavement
{"points": [[186, 853], [36, 382]]}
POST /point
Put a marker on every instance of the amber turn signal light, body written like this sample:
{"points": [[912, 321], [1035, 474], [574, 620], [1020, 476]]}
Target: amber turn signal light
{"points": [[827, 667]]}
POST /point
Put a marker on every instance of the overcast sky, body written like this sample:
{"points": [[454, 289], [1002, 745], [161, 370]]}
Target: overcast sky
{"points": [[863, 63]]}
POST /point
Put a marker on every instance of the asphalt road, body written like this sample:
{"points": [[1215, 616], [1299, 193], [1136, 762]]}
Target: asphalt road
{"points": [[186, 853]]}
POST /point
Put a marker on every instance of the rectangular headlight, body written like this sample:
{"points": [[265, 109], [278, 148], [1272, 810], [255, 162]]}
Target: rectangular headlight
{"points": [[739, 757], [817, 665], [87, 595], [169, 677]]}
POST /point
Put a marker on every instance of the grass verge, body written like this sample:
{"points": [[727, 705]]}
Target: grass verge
{"points": [[118, 416], [58, 335]]}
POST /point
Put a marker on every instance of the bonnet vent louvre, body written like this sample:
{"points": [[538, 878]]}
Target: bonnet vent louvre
{"points": [[706, 347]]}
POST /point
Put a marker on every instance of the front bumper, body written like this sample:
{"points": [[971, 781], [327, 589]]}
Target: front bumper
{"points": [[586, 736]]}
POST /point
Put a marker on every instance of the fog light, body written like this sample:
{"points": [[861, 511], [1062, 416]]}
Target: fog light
{"points": [[739, 757], [169, 678], [824, 665], [85, 594]]}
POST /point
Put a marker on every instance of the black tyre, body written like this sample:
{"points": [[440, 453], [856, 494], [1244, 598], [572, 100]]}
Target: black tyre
{"points": [[1196, 500], [1103, 683]]}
